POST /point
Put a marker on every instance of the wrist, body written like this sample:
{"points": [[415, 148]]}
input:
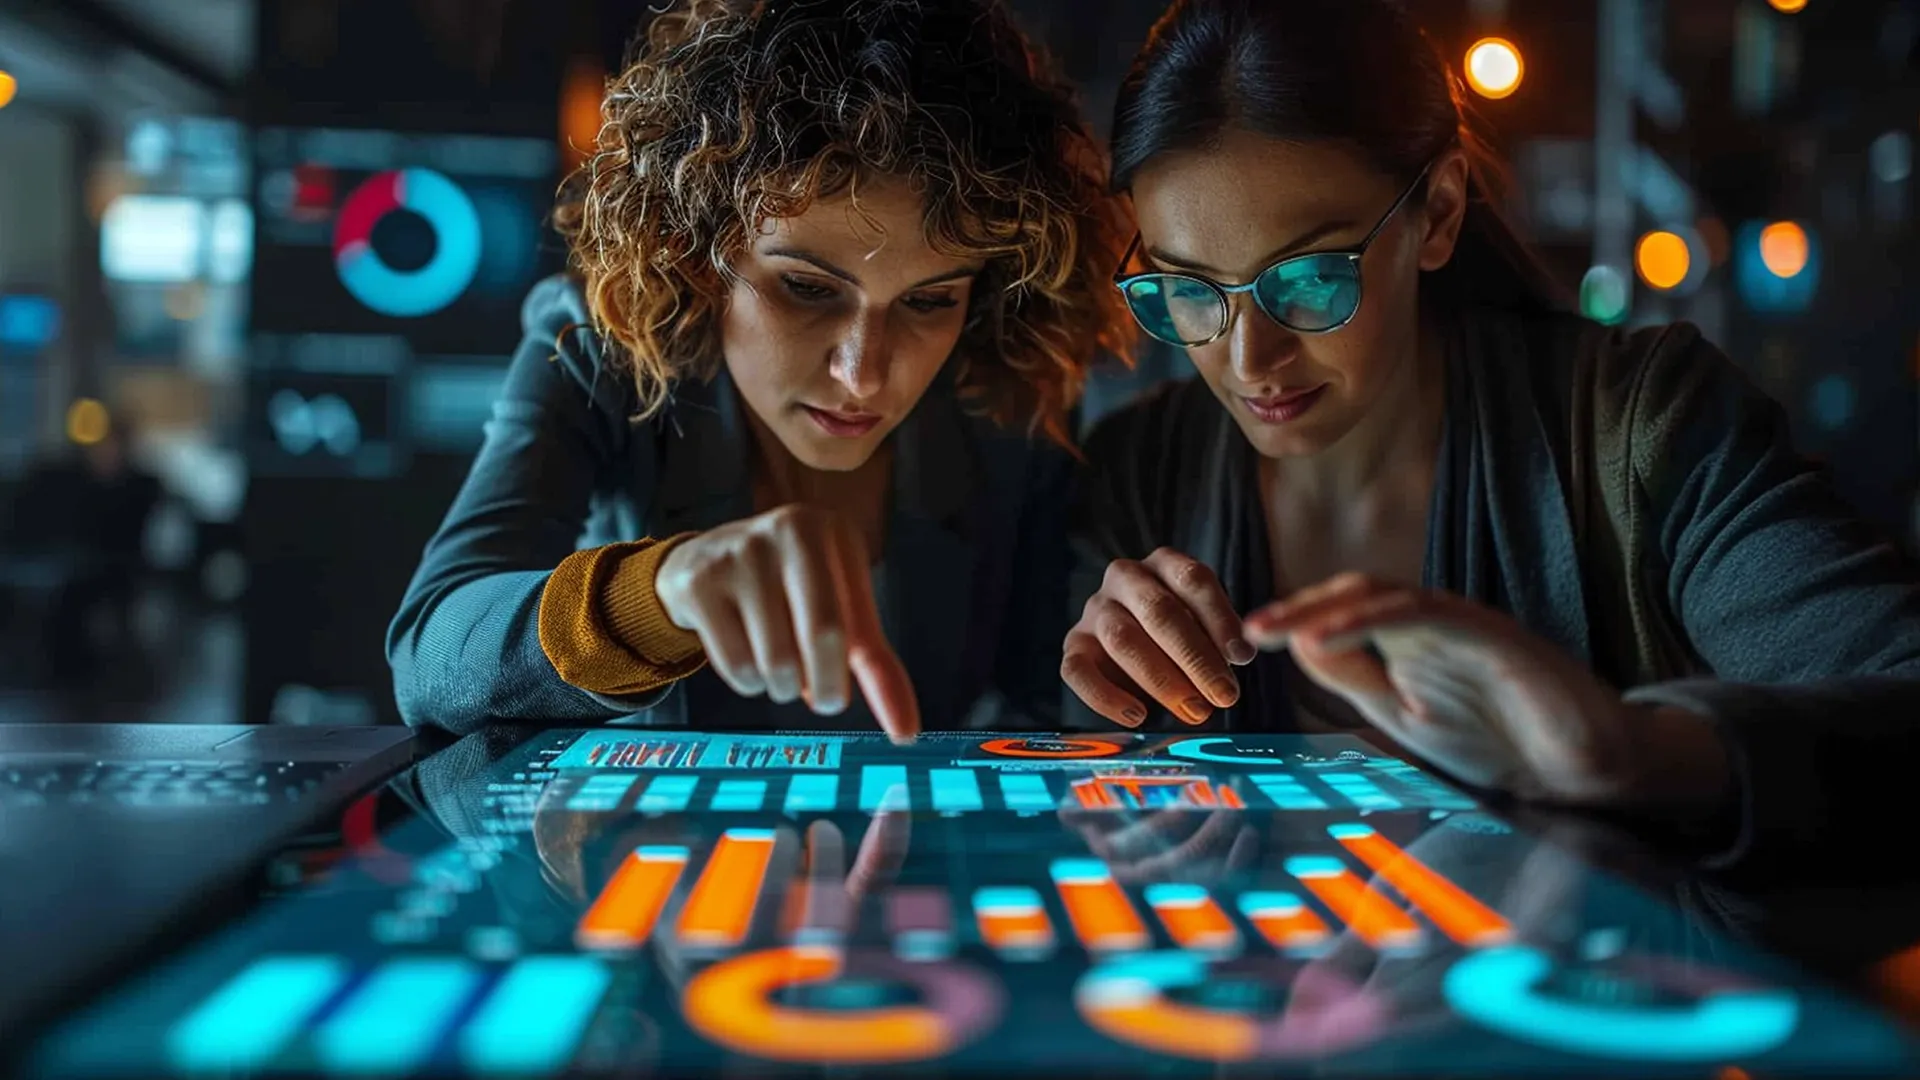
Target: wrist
{"points": [[1678, 763], [638, 613], [659, 568]]}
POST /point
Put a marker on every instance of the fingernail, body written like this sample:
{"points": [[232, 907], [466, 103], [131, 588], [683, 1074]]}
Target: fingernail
{"points": [[1240, 652], [1224, 692], [1197, 709], [782, 685], [1134, 715], [829, 705]]}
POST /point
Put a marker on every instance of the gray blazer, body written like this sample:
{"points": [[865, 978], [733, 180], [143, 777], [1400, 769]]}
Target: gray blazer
{"points": [[972, 584], [1628, 496]]}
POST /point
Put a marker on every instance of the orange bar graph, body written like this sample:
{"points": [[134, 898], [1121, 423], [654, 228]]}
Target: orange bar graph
{"points": [[1097, 907], [1013, 920], [1370, 915], [626, 910], [1094, 795], [1286, 922], [1150, 792], [719, 911], [1452, 909], [1192, 919]]}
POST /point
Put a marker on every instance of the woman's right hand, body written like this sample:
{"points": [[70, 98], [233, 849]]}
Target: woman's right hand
{"points": [[1161, 627], [783, 606]]}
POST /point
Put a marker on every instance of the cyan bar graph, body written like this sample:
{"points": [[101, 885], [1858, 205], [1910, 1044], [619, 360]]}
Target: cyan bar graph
{"points": [[245, 1024], [955, 790], [532, 1021], [668, 794], [742, 795], [812, 792], [602, 791], [1026, 791], [1360, 791], [883, 787], [393, 1020]]}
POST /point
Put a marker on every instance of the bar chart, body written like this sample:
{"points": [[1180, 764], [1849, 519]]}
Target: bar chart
{"points": [[920, 970], [390, 1019], [1015, 919], [719, 911], [623, 916]]}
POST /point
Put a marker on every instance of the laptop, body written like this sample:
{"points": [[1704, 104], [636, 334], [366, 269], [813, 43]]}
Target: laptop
{"points": [[111, 833]]}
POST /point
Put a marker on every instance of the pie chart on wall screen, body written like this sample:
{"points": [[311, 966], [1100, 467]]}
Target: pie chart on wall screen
{"points": [[414, 292]]}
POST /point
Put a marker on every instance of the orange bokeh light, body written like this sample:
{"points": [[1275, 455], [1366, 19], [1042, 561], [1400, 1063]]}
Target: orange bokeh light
{"points": [[1663, 259], [1783, 248], [1494, 67]]}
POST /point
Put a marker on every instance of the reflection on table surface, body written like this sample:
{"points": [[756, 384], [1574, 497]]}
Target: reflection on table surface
{"points": [[619, 901]]}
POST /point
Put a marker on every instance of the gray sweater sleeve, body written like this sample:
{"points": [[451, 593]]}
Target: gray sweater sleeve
{"points": [[1124, 505], [1808, 618], [465, 646]]}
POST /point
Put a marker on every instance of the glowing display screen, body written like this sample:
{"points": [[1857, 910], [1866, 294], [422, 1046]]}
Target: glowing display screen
{"points": [[632, 902]]}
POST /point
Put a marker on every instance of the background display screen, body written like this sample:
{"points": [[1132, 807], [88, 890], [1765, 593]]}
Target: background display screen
{"points": [[433, 236], [627, 901]]}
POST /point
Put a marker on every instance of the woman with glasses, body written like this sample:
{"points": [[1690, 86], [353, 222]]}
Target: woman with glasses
{"points": [[789, 447], [1407, 493]]}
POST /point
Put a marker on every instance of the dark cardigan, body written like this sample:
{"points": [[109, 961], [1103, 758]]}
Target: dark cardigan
{"points": [[1628, 496]]}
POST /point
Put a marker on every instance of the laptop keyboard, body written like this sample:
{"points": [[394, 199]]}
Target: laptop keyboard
{"points": [[160, 783]]}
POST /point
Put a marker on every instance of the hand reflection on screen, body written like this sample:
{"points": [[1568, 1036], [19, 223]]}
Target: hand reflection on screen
{"points": [[1538, 888], [1169, 844], [817, 878], [812, 893]]}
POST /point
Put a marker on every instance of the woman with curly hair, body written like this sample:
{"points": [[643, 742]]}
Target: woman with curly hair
{"points": [[801, 413]]}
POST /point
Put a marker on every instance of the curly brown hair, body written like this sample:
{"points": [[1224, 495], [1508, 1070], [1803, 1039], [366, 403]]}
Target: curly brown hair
{"points": [[736, 112]]}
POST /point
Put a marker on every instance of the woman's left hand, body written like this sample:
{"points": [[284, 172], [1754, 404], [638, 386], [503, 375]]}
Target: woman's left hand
{"points": [[1475, 693]]}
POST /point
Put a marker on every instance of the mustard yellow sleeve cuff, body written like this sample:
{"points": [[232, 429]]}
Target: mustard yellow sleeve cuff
{"points": [[602, 625]]}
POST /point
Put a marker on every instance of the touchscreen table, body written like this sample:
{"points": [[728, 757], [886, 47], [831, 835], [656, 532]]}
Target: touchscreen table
{"points": [[624, 901]]}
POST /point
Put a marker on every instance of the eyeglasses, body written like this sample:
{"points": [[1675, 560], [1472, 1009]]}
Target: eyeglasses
{"points": [[1308, 294]]}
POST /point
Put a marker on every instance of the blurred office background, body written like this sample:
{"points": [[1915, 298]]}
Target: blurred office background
{"points": [[218, 463]]}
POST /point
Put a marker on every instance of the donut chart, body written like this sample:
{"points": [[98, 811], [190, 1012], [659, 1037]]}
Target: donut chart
{"points": [[1203, 750], [1050, 747], [735, 1004], [1325, 1011], [1508, 989], [405, 294]]}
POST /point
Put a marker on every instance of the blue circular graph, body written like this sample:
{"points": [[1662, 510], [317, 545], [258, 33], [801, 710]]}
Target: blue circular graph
{"points": [[1508, 989], [1200, 750], [456, 233]]}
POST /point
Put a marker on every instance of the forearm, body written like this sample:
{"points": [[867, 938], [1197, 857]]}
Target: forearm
{"points": [[1680, 785], [469, 654], [1817, 767], [1678, 763]]}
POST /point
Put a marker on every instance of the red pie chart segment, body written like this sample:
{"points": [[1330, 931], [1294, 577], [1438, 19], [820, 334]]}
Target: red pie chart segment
{"points": [[373, 200]]}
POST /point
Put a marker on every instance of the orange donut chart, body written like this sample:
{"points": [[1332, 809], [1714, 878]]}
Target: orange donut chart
{"points": [[1051, 748], [732, 1004], [1327, 1012]]}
